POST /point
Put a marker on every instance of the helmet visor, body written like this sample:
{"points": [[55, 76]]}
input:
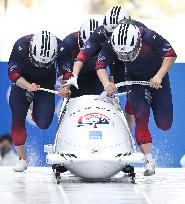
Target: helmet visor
{"points": [[132, 55], [40, 64]]}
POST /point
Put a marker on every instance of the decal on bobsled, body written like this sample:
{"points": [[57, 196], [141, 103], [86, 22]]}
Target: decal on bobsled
{"points": [[95, 135], [93, 119], [95, 151]]}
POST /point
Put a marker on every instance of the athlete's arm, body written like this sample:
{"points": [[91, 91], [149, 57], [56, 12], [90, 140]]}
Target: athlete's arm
{"points": [[64, 73], [64, 91], [105, 58], [166, 65], [63, 62], [22, 83], [14, 69], [163, 48], [156, 81], [93, 44], [77, 67]]}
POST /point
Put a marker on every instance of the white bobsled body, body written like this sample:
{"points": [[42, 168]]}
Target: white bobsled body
{"points": [[93, 139]]}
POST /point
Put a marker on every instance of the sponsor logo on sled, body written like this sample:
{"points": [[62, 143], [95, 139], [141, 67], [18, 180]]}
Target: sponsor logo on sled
{"points": [[95, 151], [95, 135], [93, 119]]}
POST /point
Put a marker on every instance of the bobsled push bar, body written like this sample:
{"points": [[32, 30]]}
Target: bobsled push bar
{"points": [[126, 83], [48, 90]]}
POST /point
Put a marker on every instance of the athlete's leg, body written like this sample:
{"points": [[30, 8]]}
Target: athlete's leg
{"points": [[140, 102], [19, 105], [141, 109], [19, 101], [129, 115], [162, 106], [43, 109]]}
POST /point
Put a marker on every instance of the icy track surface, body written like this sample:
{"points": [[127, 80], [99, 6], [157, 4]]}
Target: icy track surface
{"points": [[37, 186]]}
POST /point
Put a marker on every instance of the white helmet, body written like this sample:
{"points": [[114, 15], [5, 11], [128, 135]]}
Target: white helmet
{"points": [[126, 41], [113, 16], [43, 49], [86, 29]]}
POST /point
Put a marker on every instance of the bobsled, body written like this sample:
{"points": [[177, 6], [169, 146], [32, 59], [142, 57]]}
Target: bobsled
{"points": [[93, 140]]}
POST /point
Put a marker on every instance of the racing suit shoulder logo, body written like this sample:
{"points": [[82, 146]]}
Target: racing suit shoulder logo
{"points": [[101, 57], [61, 49], [102, 31], [19, 48]]}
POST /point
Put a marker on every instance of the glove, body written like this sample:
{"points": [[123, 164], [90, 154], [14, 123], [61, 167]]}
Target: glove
{"points": [[72, 81]]}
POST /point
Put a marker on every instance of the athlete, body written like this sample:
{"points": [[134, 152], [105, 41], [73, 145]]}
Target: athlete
{"points": [[31, 66], [88, 81], [141, 55]]}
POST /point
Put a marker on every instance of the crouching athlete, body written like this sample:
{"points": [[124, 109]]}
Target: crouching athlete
{"points": [[31, 66], [141, 55], [88, 81]]}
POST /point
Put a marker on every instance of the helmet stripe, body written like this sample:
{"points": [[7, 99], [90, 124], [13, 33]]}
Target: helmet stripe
{"points": [[91, 25], [46, 45], [105, 21], [49, 43], [111, 15], [42, 46], [122, 33], [115, 15], [119, 35], [94, 25], [119, 9], [126, 32]]}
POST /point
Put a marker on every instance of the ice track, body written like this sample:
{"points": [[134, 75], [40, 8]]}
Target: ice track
{"points": [[37, 186]]}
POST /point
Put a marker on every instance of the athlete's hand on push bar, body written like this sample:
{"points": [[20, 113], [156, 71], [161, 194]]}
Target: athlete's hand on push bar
{"points": [[64, 92], [33, 87], [110, 88], [156, 81]]}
